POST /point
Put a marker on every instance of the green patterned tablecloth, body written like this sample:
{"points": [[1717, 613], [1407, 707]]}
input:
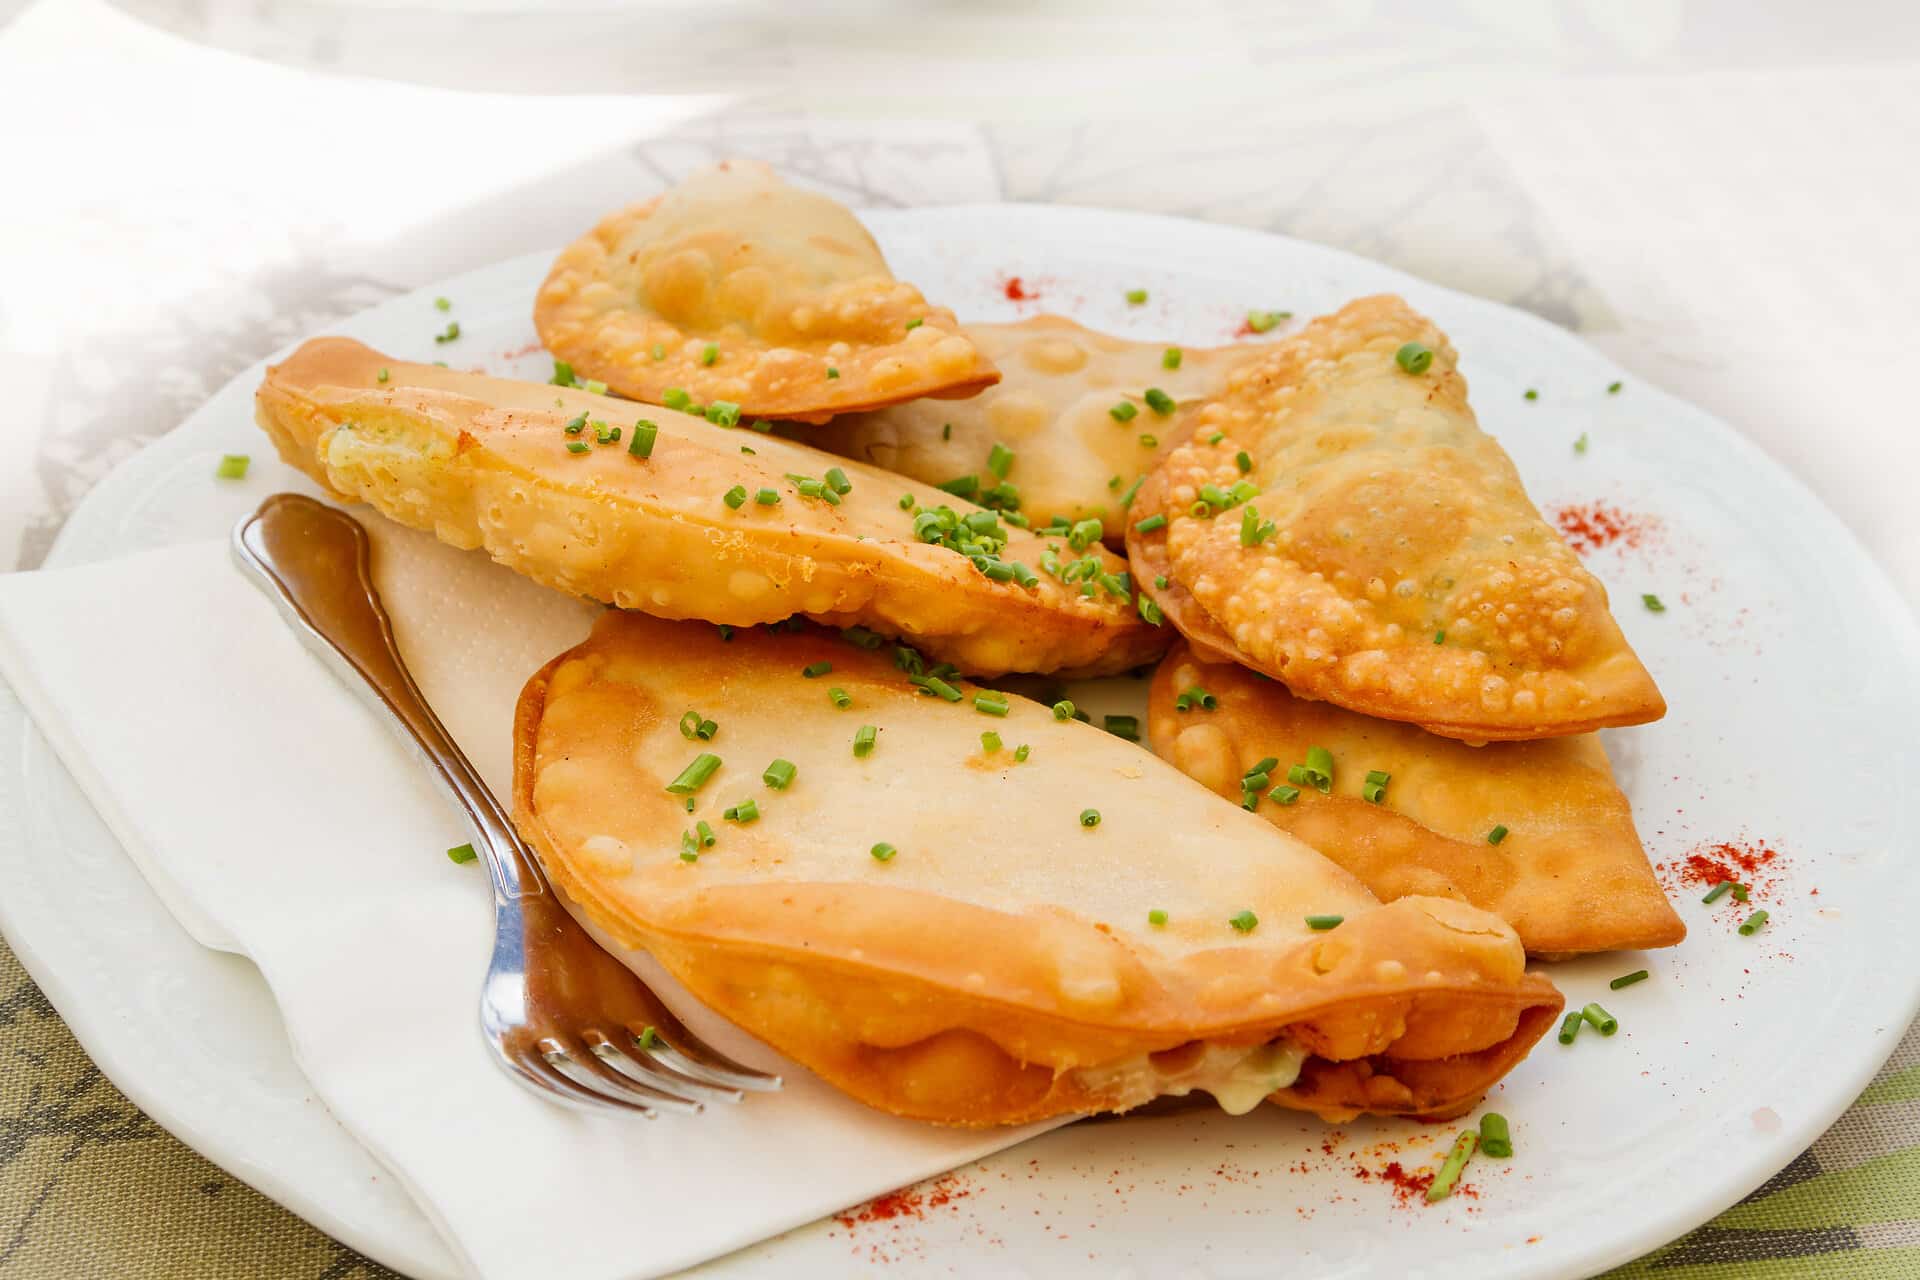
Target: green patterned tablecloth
{"points": [[90, 1189]]}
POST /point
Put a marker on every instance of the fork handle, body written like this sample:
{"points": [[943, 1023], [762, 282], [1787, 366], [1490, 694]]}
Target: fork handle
{"points": [[316, 563]]}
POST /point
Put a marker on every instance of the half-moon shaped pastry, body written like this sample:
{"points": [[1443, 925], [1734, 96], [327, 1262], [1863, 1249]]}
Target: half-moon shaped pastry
{"points": [[1379, 551], [735, 286], [950, 915], [685, 518], [1535, 832], [1083, 414]]}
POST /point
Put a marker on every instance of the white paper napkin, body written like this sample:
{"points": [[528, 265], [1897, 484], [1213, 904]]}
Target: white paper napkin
{"points": [[278, 817]]}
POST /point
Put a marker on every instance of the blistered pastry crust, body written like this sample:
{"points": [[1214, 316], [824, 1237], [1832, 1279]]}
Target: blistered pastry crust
{"points": [[1397, 519], [804, 318], [1570, 876], [1004, 947], [482, 462]]}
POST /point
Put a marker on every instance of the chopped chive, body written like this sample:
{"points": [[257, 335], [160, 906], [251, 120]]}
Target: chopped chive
{"points": [[1496, 835], [382, 376], [442, 304], [1160, 581], [1127, 727], [562, 374], [689, 847], [1739, 893], [946, 431], [595, 386], [1374, 789], [1216, 437], [690, 725], [1442, 1185], [1156, 917], [1580, 445], [1414, 357], [726, 632], [1159, 401], [815, 669], [1136, 296], [452, 331], [1195, 696], [1063, 710], [906, 502], [578, 446], [1254, 530], [723, 413], [1320, 924], [989, 742], [1531, 394], [1126, 499], [735, 497], [779, 774], [883, 852], [1244, 461], [837, 480], [1089, 817], [1000, 460], [1254, 781], [1627, 980], [915, 323], [676, 398], [1653, 603], [744, 812], [1600, 1020], [1613, 388], [1267, 765], [1170, 358], [839, 697], [710, 353], [1284, 794], [935, 685], [1297, 774], [1440, 637], [1717, 892], [961, 486], [576, 425], [767, 497], [1319, 769], [1244, 922], [1125, 411], [1262, 321], [644, 434], [863, 739], [1021, 752], [1570, 1027], [1753, 924], [1149, 611], [232, 466], [1495, 1140], [462, 853], [705, 834], [993, 704], [1149, 441], [695, 775]]}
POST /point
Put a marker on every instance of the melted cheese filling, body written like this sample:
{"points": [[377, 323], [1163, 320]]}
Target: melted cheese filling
{"points": [[1238, 1076]]}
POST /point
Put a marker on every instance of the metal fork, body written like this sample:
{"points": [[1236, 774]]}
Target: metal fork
{"points": [[564, 1017]]}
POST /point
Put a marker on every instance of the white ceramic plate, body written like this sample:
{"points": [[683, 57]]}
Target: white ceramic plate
{"points": [[1794, 679]]}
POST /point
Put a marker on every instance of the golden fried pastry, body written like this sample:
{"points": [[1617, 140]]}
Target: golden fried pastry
{"points": [[1379, 552], [734, 286], [980, 919], [1082, 415], [691, 519], [1535, 832]]}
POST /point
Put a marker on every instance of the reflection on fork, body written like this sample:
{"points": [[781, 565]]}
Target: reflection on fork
{"points": [[564, 1017]]}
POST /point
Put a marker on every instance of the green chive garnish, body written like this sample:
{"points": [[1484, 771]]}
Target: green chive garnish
{"points": [[232, 466], [723, 413], [578, 446], [993, 704], [1267, 765], [1496, 835], [1159, 401], [767, 497], [863, 739], [1244, 461], [676, 398], [1244, 922], [1170, 358], [1319, 768], [1063, 710], [710, 353], [595, 386], [562, 374], [644, 434], [989, 742], [1580, 445], [1321, 924], [837, 480], [693, 725], [704, 833], [779, 774], [1653, 603], [1089, 817], [1753, 924], [1717, 892], [1627, 980], [1494, 1138], [1136, 297], [839, 697], [1414, 357], [442, 304], [1600, 1020], [735, 497], [577, 425], [1532, 394], [1125, 411], [815, 669], [1156, 917], [1149, 441], [695, 775], [382, 376], [906, 502], [1440, 637], [1570, 1027], [1198, 697], [1442, 1185], [1262, 321], [743, 813], [1149, 611], [1613, 388], [832, 372], [1127, 727], [1739, 893], [883, 852], [936, 686], [1021, 752], [1000, 460], [1284, 794], [1152, 522], [452, 332], [1374, 789], [462, 853]]}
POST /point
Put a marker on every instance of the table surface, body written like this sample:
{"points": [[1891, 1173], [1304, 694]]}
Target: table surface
{"points": [[206, 201]]}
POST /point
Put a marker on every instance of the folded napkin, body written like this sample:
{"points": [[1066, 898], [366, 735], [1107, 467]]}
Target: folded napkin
{"points": [[278, 817]]}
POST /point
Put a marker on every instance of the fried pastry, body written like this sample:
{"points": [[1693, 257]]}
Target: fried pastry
{"points": [[1535, 832], [1338, 520], [734, 286], [1082, 414], [686, 518], [978, 919]]}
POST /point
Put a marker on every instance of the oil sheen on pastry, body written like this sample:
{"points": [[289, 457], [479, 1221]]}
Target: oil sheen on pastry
{"points": [[734, 286], [959, 928]]}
